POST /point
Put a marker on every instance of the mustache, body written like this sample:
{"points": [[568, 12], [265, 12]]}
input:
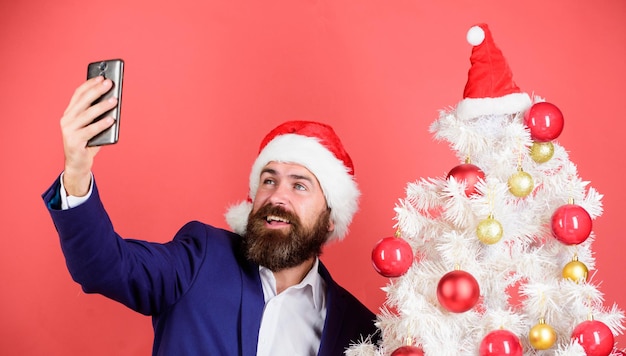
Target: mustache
{"points": [[275, 211]]}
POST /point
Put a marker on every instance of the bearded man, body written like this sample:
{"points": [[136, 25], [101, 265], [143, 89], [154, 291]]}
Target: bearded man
{"points": [[260, 290]]}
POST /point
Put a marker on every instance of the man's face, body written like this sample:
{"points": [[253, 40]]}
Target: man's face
{"points": [[290, 221]]}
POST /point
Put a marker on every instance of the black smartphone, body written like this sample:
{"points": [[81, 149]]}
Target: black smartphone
{"points": [[112, 69]]}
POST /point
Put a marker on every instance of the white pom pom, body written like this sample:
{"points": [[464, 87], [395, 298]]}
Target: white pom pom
{"points": [[475, 35]]}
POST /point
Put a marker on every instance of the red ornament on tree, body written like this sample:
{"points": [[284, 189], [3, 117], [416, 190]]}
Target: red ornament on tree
{"points": [[595, 337], [468, 173], [499, 343], [458, 291], [545, 121], [408, 351], [571, 224], [392, 257]]}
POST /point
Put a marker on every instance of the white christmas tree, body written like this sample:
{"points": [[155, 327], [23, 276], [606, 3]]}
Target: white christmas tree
{"points": [[493, 257]]}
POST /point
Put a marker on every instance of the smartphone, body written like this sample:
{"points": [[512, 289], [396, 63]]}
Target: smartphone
{"points": [[112, 69]]}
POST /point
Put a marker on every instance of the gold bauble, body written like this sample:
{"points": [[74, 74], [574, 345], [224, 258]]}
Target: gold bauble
{"points": [[521, 184], [489, 231], [542, 336], [541, 152], [575, 271]]}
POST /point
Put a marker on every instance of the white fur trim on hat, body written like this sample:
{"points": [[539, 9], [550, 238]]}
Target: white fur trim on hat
{"points": [[513, 103], [336, 180]]}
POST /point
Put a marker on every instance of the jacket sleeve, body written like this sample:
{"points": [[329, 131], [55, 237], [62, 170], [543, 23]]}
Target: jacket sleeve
{"points": [[147, 277]]}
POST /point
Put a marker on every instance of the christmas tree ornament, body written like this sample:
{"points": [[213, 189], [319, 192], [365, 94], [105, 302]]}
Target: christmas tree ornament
{"points": [[571, 224], [408, 350], [468, 173], [542, 152], [595, 337], [575, 270], [545, 121], [500, 343], [458, 291], [521, 184], [542, 336], [489, 231], [392, 256]]}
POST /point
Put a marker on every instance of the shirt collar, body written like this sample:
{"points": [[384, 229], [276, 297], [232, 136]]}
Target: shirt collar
{"points": [[312, 278]]}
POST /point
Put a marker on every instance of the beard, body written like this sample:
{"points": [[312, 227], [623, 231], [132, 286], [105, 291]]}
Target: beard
{"points": [[283, 248]]}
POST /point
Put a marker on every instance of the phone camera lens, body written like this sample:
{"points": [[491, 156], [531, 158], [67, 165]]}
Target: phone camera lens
{"points": [[103, 66]]}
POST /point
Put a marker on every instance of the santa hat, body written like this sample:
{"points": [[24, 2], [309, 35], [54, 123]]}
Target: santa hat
{"points": [[315, 146], [490, 89]]}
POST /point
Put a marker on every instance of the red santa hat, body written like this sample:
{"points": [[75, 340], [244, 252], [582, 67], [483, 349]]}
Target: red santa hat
{"points": [[490, 89], [315, 146]]}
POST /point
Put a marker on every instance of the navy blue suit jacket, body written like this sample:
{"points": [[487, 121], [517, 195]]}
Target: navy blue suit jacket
{"points": [[204, 297]]}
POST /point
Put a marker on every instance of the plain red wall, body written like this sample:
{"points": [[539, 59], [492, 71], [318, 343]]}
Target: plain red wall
{"points": [[205, 80]]}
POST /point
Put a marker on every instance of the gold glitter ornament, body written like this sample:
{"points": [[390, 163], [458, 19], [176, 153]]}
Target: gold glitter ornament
{"points": [[542, 336], [541, 152], [575, 270], [489, 231], [521, 184]]}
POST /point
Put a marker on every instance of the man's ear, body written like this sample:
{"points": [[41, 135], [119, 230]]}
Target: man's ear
{"points": [[331, 225]]}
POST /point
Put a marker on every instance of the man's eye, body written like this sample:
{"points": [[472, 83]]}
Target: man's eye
{"points": [[268, 181], [300, 187]]}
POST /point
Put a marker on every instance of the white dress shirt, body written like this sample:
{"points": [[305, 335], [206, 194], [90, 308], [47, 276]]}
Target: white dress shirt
{"points": [[292, 321], [69, 201]]}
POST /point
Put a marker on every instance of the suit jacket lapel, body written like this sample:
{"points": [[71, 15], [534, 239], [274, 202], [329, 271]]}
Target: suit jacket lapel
{"points": [[335, 309], [252, 304]]}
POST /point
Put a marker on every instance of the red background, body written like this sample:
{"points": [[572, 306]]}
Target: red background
{"points": [[206, 80]]}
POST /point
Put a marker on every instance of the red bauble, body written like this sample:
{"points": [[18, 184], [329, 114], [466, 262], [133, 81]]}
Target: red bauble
{"points": [[595, 337], [408, 351], [501, 342], [545, 121], [458, 291], [470, 174], [392, 257], [571, 224]]}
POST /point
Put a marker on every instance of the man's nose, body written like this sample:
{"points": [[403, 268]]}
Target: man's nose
{"points": [[280, 195]]}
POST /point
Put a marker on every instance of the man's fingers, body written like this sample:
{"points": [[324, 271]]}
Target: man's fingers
{"points": [[94, 111], [86, 94], [73, 122], [78, 138], [80, 129], [83, 88], [97, 127]]}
